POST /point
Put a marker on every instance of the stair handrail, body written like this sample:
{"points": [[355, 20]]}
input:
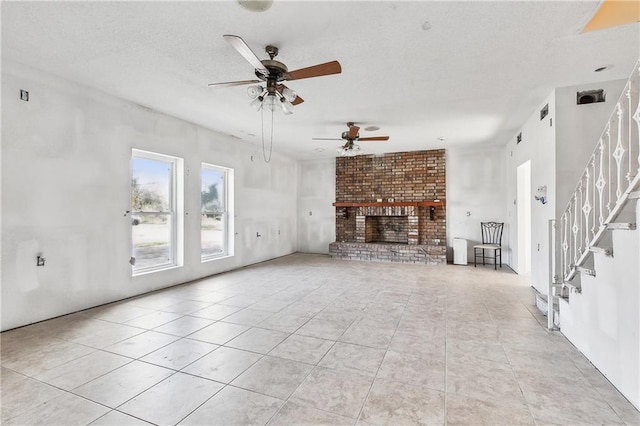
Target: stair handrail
{"points": [[612, 173]]}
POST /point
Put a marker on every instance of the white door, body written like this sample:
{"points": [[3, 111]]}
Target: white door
{"points": [[523, 205]]}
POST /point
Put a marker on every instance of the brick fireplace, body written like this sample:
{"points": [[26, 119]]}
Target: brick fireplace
{"points": [[387, 229], [391, 207]]}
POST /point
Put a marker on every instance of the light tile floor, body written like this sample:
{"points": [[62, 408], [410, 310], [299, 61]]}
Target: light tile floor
{"points": [[305, 339]]}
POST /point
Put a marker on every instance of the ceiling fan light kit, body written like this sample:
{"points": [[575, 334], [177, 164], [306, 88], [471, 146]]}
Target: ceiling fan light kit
{"points": [[255, 5], [274, 96], [273, 73], [350, 148], [254, 91]]}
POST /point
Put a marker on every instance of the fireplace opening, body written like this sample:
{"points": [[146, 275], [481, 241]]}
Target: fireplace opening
{"points": [[387, 229]]}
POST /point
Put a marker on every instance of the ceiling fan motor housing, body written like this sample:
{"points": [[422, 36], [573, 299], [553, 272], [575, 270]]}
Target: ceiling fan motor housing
{"points": [[277, 70]]}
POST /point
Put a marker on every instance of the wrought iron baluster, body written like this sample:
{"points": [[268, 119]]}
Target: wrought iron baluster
{"points": [[601, 183], [609, 189], [618, 154], [565, 244], [575, 227], [630, 170], [636, 117]]}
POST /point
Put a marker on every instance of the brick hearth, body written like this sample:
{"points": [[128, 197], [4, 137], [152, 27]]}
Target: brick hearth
{"points": [[384, 252]]}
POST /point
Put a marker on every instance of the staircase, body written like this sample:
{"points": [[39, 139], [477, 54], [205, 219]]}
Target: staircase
{"points": [[597, 247], [601, 202]]}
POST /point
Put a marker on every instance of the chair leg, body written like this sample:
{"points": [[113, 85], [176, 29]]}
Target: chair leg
{"points": [[475, 256], [500, 251], [495, 260], [483, 257]]}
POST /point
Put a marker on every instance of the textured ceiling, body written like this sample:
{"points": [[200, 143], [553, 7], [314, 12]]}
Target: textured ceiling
{"points": [[474, 76]]}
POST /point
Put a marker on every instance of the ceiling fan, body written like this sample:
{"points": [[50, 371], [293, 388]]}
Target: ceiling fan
{"points": [[350, 137], [275, 94]]}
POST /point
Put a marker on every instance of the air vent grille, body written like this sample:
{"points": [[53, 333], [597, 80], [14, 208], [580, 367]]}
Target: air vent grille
{"points": [[590, 97]]}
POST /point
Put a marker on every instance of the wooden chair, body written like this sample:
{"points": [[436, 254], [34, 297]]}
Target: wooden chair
{"points": [[491, 240]]}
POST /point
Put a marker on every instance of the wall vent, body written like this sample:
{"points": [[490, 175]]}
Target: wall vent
{"points": [[544, 111], [590, 97]]}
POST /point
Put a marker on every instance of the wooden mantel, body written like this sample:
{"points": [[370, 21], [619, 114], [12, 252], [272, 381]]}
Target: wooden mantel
{"points": [[425, 203]]}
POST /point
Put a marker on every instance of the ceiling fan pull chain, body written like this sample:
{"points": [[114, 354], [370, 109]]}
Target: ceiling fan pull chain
{"points": [[264, 155]]}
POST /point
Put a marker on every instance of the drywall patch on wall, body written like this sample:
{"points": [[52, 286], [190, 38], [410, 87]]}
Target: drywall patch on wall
{"points": [[476, 187], [26, 255], [316, 214], [66, 182], [540, 148], [577, 132]]}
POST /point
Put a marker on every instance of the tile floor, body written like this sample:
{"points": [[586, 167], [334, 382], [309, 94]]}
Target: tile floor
{"points": [[305, 339]]}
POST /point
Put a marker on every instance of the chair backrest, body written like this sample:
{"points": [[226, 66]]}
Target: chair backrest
{"points": [[492, 232]]}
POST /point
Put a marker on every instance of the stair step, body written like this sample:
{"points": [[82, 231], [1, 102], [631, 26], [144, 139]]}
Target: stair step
{"points": [[634, 195], [587, 271], [572, 288], [606, 251], [542, 304], [624, 226]]}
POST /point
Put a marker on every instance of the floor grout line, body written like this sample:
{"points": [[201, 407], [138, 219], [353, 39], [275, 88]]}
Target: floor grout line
{"points": [[363, 282]]}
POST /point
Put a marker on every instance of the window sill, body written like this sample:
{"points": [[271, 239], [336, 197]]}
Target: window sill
{"points": [[153, 271], [211, 259]]}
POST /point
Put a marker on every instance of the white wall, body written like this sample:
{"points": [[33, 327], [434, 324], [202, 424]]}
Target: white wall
{"points": [[523, 207], [65, 188], [538, 145], [604, 321], [316, 214], [578, 130], [475, 184]]}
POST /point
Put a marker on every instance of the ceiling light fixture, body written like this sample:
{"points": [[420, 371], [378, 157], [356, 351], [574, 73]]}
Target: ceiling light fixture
{"points": [[263, 98], [349, 149], [255, 5]]}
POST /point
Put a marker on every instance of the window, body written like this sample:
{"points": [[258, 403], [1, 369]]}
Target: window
{"points": [[154, 221], [215, 222]]}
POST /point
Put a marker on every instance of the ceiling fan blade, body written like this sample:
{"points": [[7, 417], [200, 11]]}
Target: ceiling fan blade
{"points": [[233, 83], [325, 139], [353, 131], [297, 100], [243, 49], [375, 138], [319, 70]]}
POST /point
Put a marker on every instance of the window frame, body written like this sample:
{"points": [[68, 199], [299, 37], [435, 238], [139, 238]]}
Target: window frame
{"points": [[227, 176], [174, 205]]}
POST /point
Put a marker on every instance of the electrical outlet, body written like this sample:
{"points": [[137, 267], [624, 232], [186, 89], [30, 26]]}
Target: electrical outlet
{"points": [[40, 261], [24, 95]]}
